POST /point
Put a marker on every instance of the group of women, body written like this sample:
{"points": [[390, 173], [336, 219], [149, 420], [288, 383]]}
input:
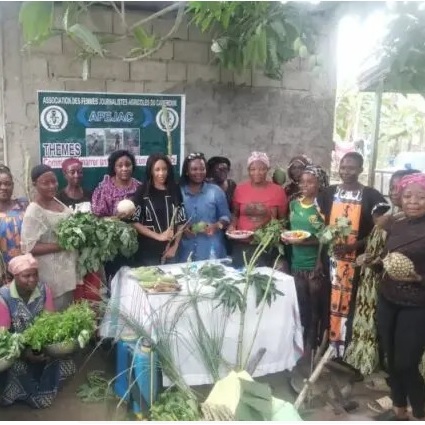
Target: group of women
{"points": [[371, 320]]}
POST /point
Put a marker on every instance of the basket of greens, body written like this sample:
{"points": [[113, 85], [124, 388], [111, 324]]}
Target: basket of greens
{"points": [[10, 348], [62, 333]]}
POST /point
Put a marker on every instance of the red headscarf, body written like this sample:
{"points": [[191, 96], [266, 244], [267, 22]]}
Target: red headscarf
{"points": [[70, 161]]}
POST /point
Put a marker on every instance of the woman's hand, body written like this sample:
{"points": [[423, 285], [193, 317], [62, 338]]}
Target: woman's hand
{"points": [[171, 251], [212, 228], [166, 236]]}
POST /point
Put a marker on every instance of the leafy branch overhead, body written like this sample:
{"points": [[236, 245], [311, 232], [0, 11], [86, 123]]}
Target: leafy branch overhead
{"points": [[262, 35]]}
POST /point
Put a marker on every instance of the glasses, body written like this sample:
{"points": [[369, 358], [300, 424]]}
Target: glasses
{"points": [[196, 155]]}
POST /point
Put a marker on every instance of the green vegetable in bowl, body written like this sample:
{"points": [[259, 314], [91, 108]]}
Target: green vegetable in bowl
{"points": [[174, 406], [77, 323], [11, 344]]}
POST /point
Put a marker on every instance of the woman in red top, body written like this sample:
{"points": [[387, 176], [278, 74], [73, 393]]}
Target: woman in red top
{"points": [[255, 203]]}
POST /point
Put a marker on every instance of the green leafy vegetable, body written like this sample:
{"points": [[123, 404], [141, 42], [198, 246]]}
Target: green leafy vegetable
{"points": [[174, 406], [10, 344], [262, 288], [211, 272], [97, 240], [96, 388], [334, 234], [77, 323], [269, 235]]}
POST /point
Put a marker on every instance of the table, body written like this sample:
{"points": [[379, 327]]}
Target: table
{"points": [[279, 330]]}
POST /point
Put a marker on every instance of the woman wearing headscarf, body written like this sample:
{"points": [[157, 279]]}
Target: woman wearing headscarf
{"points": [[206, 210], [305, 256], [294, 171], [11, 215], [363, 350], [55, 266], [74, 195], [218, 168], [33, 379], [357, 203], [255, 203], [401, 303]]}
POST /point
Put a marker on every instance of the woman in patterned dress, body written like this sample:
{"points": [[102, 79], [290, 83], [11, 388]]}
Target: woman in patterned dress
{"points": [[363, 352], [11, 216], [33, 378]]}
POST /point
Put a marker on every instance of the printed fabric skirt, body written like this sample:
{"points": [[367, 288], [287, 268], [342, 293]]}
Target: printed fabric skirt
{"points": [[36, 384]]}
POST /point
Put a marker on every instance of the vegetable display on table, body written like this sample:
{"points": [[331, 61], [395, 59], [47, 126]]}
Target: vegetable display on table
{"points": [[77, 323], [154, 280], [11, 345], [97, 240]]}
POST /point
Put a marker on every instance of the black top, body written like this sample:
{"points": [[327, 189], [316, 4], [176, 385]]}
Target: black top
{"points": [[408, 238], [155, 210], [70, 202]]}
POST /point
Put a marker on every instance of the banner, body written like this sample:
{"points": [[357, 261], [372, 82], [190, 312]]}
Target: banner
{"points": [[91, 126]]}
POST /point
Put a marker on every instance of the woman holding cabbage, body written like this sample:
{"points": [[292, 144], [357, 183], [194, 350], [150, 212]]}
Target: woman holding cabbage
{"points": [[33, 378]]}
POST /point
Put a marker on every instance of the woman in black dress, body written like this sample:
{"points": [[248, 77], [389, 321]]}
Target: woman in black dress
{"points": [[159, 213]]}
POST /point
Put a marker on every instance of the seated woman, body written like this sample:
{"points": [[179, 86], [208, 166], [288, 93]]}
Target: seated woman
{"points": [[255, 203], [34, 378], [204, 202], [401, 303]]}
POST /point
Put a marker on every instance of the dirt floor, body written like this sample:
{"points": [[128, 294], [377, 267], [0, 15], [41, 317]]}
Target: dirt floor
{"points": [[69, 407]]}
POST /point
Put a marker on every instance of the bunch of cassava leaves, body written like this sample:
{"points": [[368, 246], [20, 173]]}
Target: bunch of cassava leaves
{"points": [[76, 323], [97, 240]]}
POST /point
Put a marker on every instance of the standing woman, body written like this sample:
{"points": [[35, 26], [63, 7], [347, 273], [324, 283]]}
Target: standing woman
{"points": [[218, 168], [158, 201], [306, 264], [206, 205], [295, 169], [363, 352], [11, 216], [74, 195], [357, 203], [56, 266], [401, 303], [117, 185], [255, 203]]}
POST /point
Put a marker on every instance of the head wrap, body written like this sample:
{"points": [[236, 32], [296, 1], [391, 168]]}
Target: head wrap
{"points": [[418, 178], [21, 263], [259, 156], [39, 170], [70, 161], [319, 173], [301, 159], [212, 162]]}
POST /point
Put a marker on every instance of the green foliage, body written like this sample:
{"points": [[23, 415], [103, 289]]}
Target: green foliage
{"points": [[174, 406], [36, 19], [255, 34], [269, 235], [97, 240], [11, 344], [61, 327]]}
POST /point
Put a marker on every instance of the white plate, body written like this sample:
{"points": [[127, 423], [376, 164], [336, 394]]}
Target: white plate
{"points": [[237, 236], [288, 235]]}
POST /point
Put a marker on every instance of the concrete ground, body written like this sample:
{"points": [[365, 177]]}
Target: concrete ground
{"points": [[69, 407]]}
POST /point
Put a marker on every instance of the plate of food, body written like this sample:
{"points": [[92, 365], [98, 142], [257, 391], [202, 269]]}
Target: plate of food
{"points": [[239, 234], [295, 235]]}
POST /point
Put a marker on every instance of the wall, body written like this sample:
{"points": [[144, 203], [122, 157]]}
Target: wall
{"points": [[226, 114]]}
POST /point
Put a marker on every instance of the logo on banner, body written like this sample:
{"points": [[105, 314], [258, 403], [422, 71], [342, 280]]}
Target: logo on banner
{"points": [[173, 119], [54, 118]]}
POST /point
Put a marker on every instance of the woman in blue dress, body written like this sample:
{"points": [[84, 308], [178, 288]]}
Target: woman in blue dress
{"points": [[207, 211]]}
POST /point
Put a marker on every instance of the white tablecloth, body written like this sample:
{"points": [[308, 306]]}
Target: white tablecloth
{"points": [[279, 332]]}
